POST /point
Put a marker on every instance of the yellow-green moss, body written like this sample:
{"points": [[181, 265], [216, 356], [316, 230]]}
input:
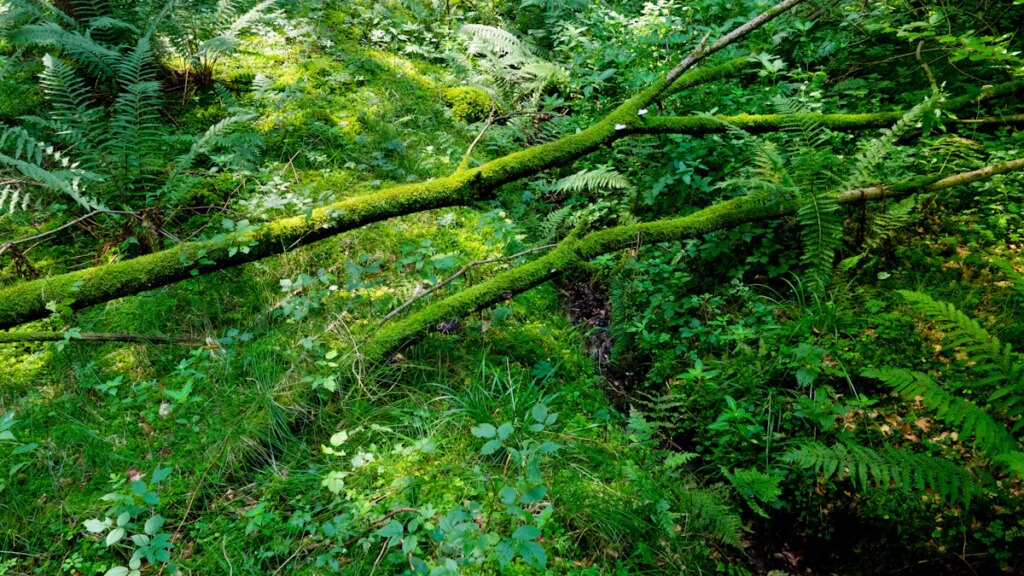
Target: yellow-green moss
{"points": [[468, 104]]}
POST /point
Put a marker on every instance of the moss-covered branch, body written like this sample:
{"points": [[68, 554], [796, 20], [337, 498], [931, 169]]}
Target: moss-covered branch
{"points": [[27, 301], [760, 123], [22, 337], [572, 252]]}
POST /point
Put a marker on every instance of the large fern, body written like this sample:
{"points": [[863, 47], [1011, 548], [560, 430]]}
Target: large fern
{"points": [[97, 59], [969, 419], [867, 467], [132, 141], [993, 360], [515, 66], [995, 419], [32, 165], [74, 114], [202, 33], [1015, 277], [707, 511]]}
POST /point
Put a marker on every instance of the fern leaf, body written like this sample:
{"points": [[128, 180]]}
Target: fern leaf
{"points": [[966, 416], [590, 180], [988, 354], [97, 59], [1015, 277], [707, 511], [885, 225], [900, 468]]}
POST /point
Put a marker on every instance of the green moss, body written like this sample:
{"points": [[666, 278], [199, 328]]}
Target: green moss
{"points": [[468, 104]]}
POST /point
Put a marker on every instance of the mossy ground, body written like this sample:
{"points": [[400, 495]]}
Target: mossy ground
{"points": [[241, 426]]}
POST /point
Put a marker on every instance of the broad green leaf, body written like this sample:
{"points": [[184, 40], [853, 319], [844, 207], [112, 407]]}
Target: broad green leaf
{"points": [[484, 431], [339, 438], [533, 495], [505, 430], [96, 526], [507, 494], [160, 474], [490, 447], [533, 554], [154, 524], [527, 532], [115, 536], [335, 482], [393, 530], [539, 413]]}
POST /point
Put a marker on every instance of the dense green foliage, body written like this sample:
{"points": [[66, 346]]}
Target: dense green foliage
{"points": [[518, 380]]}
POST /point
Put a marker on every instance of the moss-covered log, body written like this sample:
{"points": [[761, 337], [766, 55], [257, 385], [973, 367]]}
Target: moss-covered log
{"points": [[27, 301], [572, 252], [23, 337]]}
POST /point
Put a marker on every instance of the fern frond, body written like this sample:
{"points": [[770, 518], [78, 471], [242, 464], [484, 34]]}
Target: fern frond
{"points": [[1012, 461], [986, 352], [96, 58], [250, 17], [821, 231], [708, 512], [209, 138], [590, 180], [72, 108], [885, 225], [495, 40], [903, 469], [554, 222], [756, 488], [27, 162], [1015, 277], [874, 152], [964, 415]]}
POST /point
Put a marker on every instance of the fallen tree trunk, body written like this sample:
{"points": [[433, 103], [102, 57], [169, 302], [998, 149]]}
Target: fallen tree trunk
{"points": [[20, 337], [573, 252], [27, 301]]}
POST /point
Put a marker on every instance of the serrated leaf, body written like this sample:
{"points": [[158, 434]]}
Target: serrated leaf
{"points": [[505, 430], [549, 448], [393, 530], [526, 533], [534, 495], [533, 554], [490, 447], [123, 518], [539, 413], [117, 571], [507, 494], [505, 552], [409, 544]]}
